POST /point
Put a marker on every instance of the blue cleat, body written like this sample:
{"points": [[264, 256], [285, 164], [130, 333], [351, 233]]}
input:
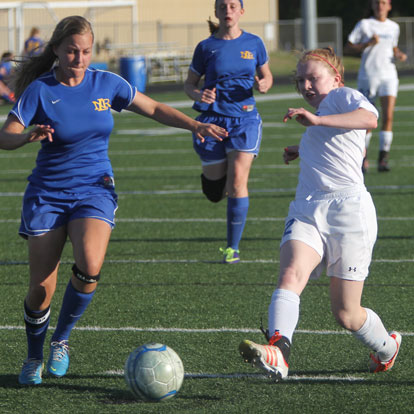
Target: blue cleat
{"points": [[31, 373], [58, 362], [230, 255]]}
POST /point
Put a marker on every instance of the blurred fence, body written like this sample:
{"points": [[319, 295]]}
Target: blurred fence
{"points": [[167, 47]]}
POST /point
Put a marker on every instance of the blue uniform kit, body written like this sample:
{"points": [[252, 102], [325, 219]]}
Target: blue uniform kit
{"points": [[230, 67], [73, 169]]}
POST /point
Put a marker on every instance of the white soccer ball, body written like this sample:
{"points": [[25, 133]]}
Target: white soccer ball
{"points": [[154, 372]]}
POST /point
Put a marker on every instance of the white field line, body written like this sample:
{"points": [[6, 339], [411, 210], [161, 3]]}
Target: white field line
{"points": [[198, 191], [168, 151], [290, 378], [207, 220], [223, 330], [188, 261]]}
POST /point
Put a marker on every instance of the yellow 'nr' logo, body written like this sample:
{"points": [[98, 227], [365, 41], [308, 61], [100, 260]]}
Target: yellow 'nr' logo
{"points": [[102, 104], [246, 55]]}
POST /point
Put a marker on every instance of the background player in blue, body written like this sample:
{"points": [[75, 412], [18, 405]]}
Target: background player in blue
{"points": [[33, 46], [6, 73], [229, 60], [71, 189]]}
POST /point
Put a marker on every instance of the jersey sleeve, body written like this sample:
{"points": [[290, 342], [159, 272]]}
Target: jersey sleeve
{"points": [[396, 36], [262, 55], [27, 108], [348, 100], [197, 64], [356, 35], [124, 92]]}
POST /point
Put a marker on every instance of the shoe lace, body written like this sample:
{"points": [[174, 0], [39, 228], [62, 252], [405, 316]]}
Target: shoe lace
{"points": [[265, 332], [31, 366], [228, 251], [60, 350]]}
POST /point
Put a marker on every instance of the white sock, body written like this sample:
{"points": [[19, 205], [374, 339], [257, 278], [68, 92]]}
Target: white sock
{"points": [[374, 335], [284, 313], [368, 137], [385, 140]]}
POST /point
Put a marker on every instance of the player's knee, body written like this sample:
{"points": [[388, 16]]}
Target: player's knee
{"points": [[84, 277], [213, 189]]}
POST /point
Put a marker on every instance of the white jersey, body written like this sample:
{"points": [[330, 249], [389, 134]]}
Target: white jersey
{"points": [[331, 158], [377, 60]]}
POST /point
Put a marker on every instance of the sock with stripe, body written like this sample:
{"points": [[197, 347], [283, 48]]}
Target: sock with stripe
{"points": [[36, 323]]}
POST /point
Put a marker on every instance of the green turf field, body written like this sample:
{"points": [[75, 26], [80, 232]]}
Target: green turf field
{"points": [[162, 281]]}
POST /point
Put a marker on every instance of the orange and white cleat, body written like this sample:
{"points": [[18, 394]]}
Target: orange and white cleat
{"points": [[268, 358], [376, 365]]}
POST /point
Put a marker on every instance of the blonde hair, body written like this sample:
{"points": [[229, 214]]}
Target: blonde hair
{"points": [[327, 56], [31, 68], [213, 27]]}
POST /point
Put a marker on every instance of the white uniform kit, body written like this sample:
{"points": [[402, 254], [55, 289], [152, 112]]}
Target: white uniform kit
{"points": [[377, 74], [333, 212]]}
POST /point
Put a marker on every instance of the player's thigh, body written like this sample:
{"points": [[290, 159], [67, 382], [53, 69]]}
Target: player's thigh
{"points": [[214, 170]]}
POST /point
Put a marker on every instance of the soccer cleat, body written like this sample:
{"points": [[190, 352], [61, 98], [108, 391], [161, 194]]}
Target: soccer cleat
{"points": [[31, 373], [383, 162], [383, 166], [376, 365], [58, 362], [230, 255], [268, 358]]}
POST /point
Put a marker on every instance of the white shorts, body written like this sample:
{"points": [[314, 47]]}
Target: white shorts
{"points": [[375, 87], [341, 227]]}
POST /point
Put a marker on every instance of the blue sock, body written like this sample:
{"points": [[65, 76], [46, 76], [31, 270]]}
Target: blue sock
{"points": [[36, 323], [237, 209], [73, 306]]}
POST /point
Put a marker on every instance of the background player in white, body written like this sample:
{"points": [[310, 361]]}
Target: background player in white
{"points": [[377, 39], [332, 221], [71, 190], [229, 60]]}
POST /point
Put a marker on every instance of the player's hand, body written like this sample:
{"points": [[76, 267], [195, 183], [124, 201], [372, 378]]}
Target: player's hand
{"points": [[208, 96], [374, 40], [210, 130], [261, 84], [401, 56], [302, 116], [39, 133], [290, 153]]}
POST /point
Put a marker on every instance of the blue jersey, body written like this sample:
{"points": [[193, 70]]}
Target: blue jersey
{"points": [[230, 67], [33, 46], [82, 120], [5, 70]]}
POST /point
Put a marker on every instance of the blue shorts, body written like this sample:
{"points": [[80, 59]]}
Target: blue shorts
{"points": [[245, 134], [46, 210]]}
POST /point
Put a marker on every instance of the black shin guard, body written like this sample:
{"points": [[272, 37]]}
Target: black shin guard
{"points": [[213, 189]]}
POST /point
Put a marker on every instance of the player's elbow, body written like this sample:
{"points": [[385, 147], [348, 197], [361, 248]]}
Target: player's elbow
{"points": [[373, 123]]}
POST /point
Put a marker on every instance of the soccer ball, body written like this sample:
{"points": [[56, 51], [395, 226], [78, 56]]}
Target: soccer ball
{"points": [[154, 372]]}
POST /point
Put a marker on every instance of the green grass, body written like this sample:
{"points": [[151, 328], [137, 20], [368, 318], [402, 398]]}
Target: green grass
{"points": [[162, 272]]}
